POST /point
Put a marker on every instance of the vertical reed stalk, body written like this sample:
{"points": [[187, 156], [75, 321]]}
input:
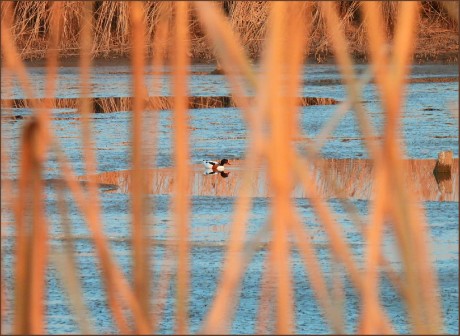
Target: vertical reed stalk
{"points": [[39, 237], [181, 203], [31, 239], [159, 48], [279, 178], [6, 199], [37, 137], [22, 286], [402, 57], [22, 272], [86, 41], [140, 232]]}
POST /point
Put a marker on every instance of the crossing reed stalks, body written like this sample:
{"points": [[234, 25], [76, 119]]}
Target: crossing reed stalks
{"points": [[137, 303]]}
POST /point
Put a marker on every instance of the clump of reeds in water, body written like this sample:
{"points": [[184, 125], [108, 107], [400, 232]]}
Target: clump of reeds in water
{"points": [[272, 124]]}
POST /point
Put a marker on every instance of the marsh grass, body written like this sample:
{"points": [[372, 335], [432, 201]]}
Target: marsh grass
{"points": [[277, 32], [153, 103], [247, 18]]}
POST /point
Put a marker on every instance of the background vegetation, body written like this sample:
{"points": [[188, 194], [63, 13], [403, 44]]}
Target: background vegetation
{"points": [[438, 37]]}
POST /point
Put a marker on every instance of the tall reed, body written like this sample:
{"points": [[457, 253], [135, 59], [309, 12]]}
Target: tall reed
{"points": [[181, 202], [281, 35]]}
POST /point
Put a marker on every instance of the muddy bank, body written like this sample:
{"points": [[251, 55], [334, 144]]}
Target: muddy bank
{"points": [[336, 178], [114, 104]]}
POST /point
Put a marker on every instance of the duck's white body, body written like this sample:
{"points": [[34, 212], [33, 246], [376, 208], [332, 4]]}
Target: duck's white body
{"points": [[209, 164]]}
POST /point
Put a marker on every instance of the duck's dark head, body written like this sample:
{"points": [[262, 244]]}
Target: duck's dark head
{"points": [[225, 161]]}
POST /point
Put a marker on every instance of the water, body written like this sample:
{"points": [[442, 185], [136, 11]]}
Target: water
{"points": [[428, 127], [209, 231]]}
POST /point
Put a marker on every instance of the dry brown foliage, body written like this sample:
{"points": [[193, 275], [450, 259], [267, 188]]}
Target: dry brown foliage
{"points": [[248, 19]]}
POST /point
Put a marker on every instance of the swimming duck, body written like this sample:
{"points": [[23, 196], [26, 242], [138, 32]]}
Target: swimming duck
{"points": [[215, 166]]}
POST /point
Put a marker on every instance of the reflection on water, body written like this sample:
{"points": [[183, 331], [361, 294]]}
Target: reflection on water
{"points": [[349, 178], [211, 172]]}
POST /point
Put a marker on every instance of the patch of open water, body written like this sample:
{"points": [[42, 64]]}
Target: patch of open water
{"points": [[209, 231], [427, 125]]}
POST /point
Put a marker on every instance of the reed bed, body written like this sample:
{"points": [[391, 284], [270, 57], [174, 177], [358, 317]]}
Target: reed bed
{"points": [[342, 178], [281, 35], [247, 18], [115, 104]]}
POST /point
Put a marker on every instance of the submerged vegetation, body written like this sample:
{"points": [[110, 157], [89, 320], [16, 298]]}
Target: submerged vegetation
{"points": [[437, 40]]}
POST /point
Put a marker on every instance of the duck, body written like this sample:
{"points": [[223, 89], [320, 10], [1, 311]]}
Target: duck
{"points": [[215, 165]]}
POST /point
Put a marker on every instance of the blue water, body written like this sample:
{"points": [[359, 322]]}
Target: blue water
{"points": [[427, 127], [207, 257]]}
